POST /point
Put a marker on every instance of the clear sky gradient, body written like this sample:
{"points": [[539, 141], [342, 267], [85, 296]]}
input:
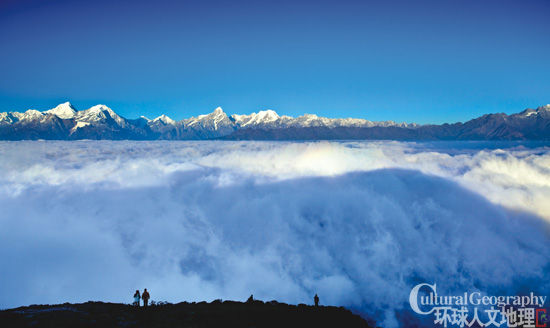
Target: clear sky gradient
{"points": [[422, 61]]}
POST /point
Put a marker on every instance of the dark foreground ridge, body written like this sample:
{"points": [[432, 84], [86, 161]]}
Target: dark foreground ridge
{"points": [[215, 314]]}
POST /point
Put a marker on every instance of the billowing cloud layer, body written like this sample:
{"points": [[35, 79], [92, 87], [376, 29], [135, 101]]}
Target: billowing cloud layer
{"points": [[359, 223]]}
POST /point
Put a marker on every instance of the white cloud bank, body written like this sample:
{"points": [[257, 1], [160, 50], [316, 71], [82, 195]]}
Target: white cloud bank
{"points": [[359, 223]]}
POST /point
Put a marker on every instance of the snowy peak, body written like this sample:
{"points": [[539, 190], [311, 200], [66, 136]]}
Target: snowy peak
{"points": [[7, 118], [29, 115], [63, 111], [268, 114], [544, 111], [529, 112], [217, 113], [165, 120], [218, 118], [264, 117], [213, 125], [310, 116], [99, 114], [99, 108]]}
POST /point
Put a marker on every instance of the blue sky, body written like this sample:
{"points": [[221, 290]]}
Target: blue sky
{"points": [[422, 61]]}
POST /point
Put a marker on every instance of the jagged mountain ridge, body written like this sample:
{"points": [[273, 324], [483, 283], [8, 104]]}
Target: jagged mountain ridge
{"points": [[64, 122]]}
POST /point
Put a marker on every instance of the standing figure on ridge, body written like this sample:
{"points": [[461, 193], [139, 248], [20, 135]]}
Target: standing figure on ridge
{"points": [[316, 300], [145, 296], [136, 298]]}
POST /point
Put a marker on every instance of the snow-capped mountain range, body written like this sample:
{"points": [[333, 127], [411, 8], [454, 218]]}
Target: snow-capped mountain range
{"points": [[101, 122]]}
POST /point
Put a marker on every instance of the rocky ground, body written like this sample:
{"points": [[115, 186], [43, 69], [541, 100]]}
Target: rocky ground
{"points": [[214, 314]]}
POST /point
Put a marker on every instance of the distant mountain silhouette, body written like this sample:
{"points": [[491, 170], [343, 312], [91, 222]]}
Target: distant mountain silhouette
{"points": [[64, 122], [215, 314]]}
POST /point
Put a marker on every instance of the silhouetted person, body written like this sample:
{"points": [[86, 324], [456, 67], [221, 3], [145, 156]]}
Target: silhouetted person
{"points": [[250, 299], [136, 298], [316, 300], [145, 296]]}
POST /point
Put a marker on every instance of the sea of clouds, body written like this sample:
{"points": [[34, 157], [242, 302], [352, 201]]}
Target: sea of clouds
{"points": [[359, 223]]}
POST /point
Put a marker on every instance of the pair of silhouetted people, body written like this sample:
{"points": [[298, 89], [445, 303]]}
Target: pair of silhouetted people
{"points": [[145, 296]]}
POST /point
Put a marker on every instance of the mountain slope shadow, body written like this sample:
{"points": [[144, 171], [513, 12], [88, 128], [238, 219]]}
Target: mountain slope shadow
{"points": [[380, 233]]}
